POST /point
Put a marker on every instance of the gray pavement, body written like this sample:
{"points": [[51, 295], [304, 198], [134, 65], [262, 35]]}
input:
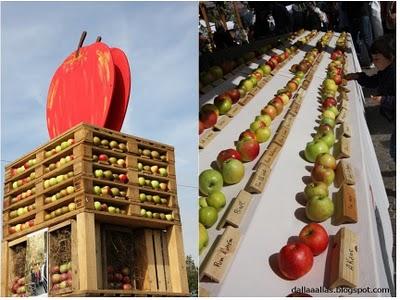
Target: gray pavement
{"points": [[380, 130]]}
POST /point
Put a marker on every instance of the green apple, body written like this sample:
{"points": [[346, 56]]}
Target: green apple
{"points": [[256, 125], [142, 197], [142, 212], [327, 121], [330, 85], [97, 205], [264, 118], [323, 174], [208, 216], [53, 181], [98, 173], [217, 200], [163, 186], [203, 237], [155, 184], [266, 69], [328, 138], [223, 103], [263, 134], [209, 181], [163, 172], [319, 208], [111, 209], [149, 198], [316, 189], [149, 214], [327, 160], [71, 206], [156, 199], [334, 110], [141, 181], [329, 114], [154, 169], [314, 148], [203, 201], [246, 84], [232, 171], [108, 174], [70, 189], [115, 191], [97, 190]]}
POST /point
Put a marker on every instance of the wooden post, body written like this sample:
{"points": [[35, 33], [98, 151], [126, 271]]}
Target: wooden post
{"points": [[205, 17], [86, 243], [4, 272], [177, 262], [150, 276]]}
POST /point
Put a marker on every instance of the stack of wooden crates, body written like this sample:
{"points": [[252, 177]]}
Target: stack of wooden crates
{"points": [[109, 203]]}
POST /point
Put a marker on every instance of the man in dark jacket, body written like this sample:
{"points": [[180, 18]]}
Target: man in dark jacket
{"points": [[384, 82]]}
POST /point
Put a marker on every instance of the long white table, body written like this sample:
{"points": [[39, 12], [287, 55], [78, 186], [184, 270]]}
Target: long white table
{"points": [[275, 215]]}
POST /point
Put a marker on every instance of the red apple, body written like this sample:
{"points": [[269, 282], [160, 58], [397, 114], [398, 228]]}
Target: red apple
{"points": [[123, 178], [247, 135], [234, 94], [227, 154], [126, 279], [315, 237], [209, 115], [271, 64], [201, 127], [338, 79], [55, 269], [270, 111], [278, 104], [127, 286], [295, 260], [103, 157], [292, 86], [328, 102], [118, 277], [248, 149], [323, 174]]}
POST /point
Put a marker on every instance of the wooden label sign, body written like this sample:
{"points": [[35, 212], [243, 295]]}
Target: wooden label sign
{"points": [[217, 262], [281, 135], [262, 83], [217, 82], [237, 209], [294, 108], [344, 259], [289, 119], [345, 105], [344, 130], [258, 179], [341, 118], [342, 148], [222, 122], [344, 174], [305, 84], [235, 109], [269, 155], [243, 101], [237, 69], [345, 206], [206, 138], [254, 91]]}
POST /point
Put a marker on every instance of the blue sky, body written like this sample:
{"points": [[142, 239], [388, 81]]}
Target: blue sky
{"points": [[160, 40]]}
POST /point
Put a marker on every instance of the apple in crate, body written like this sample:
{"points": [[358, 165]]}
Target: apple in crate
{"points": [[295, 260], [315, 236]]}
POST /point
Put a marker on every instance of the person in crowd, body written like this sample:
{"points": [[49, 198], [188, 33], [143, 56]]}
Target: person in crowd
{"points": [[376, 20], [384, 82], [388, 14], [360, 29]]}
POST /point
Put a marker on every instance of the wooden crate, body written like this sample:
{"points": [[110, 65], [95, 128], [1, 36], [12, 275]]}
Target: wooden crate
{"points": [[62, 249]]}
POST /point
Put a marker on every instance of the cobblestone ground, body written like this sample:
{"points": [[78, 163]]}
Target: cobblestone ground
{"points": [[380, 130]]}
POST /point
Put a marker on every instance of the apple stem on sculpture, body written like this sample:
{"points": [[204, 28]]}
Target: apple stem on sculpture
{"points": [[98, 39], [82, 39]]}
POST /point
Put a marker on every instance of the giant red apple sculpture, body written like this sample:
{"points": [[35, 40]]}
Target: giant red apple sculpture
{"points": [[92, 85]]}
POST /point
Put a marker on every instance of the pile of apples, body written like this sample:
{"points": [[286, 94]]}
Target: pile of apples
{"points": [[61, 276], [154, 184], [59, 148], [20, 227], [21, 182], [113, 145], [324, 41], [60, 211], [156, 199], [304, 40], [22, 211], [108, 208], [23, 195], [156, 215], [153, 154], [119, 278], [109, 175], [18, 287], [64, 192], [103, 158], [58, 179], [156, 170], [107, 191], [297, 258], [61, 162], [30, 163]]}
